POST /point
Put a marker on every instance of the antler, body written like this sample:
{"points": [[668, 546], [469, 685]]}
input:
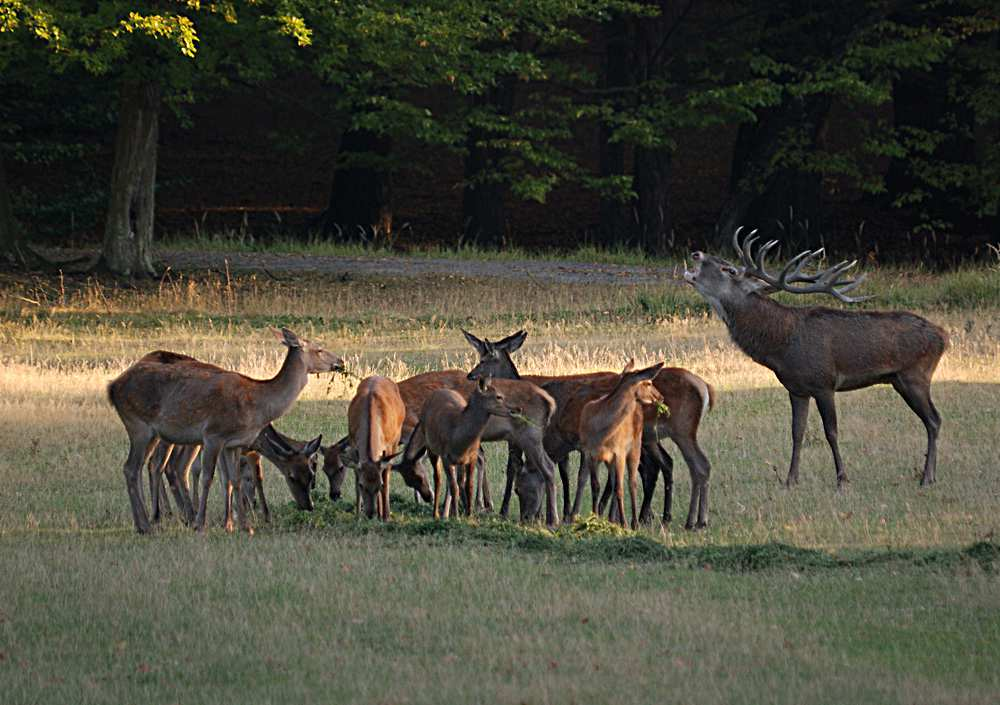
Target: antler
{"points": [[826, 281]]}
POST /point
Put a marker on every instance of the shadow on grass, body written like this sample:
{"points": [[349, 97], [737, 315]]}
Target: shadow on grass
{"points": [[595, 539]]}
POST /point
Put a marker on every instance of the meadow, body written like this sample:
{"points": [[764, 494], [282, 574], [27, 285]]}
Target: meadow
{"points": [[886, 592]]}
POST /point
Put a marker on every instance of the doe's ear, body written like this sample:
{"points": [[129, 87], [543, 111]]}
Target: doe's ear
{"points": [[290, 339], [313, 445], [629, 366], [475, 342], [512, 342], [647, 373]]}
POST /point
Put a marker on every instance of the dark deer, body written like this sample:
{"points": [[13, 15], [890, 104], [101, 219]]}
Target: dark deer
{"points": [[185, 402], [816, 351], [687, 396]]}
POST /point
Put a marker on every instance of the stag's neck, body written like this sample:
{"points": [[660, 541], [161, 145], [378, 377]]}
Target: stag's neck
{"points": [[281, 391], [759, 326], [469, 427]]}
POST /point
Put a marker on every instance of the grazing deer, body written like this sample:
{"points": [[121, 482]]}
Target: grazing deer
{"points": [[611, 433], [687, 396], [189, 402], [450, 430], [294, 459], [375, 421], [817, 352]]}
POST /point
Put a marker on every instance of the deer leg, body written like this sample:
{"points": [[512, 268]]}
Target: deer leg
{"points": [[155, 469], [450, 510], [384, 509], [564, 478], [176, 467], [142, 442], [609, 488], [259, 489], [633, 486], [700, 470], [649, 470], [800, 414], [227, 487], [209, 457], [667, 468], [828, 412], [513, 468], [436, 463], [917, 395], [619, 471], [586, 467]]}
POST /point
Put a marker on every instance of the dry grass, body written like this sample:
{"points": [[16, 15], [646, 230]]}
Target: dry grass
{"points": [[90, 613]]}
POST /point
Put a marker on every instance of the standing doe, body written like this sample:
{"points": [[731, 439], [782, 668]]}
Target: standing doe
{"points": [[451, 429], [187, 402], [815, 351], [611, 433]]}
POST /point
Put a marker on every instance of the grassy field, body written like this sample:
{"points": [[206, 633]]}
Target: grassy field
{"points": [[883, 593]]}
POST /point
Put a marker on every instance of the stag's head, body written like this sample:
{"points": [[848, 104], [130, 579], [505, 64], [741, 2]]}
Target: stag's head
{"points": [[315, 357], [296, 464], [494, 357], [723, 283]]}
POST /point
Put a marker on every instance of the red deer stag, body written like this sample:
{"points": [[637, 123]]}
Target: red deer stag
{"points": [[611, 433], [196, 403], [816, 351], [687, 395], [450, 430], [375, 421]]}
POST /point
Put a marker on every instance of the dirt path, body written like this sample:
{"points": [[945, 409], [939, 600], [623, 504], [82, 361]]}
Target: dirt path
{"points": [[554, 272]]}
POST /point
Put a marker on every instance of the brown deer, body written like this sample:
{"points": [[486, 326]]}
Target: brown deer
{"points": [[375, 421], [182, 402], [414, 391], [687, 396], [294, 459], [450, 430], [611, 433], [817, 352], [533, 409]]}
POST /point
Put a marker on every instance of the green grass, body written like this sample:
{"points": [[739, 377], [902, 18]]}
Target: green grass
{"points": [[883, 593]]}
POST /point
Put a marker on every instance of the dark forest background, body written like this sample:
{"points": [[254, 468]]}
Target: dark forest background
{"points": [[870, 127]]}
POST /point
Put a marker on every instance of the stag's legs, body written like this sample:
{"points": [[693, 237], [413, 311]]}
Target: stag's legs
{"points": [[828, 412], [800, 415], [142, 441], [916, 392], [209, 457]]}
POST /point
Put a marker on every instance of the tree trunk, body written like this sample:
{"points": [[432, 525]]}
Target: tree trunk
{"points": [[760, 196], [483, 209], [614, 214], [652, 187], [128, 230], [10, 230], [361, 196]]}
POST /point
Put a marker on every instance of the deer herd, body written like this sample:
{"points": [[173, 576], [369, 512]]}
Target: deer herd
{"points": [[183, 416]]}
